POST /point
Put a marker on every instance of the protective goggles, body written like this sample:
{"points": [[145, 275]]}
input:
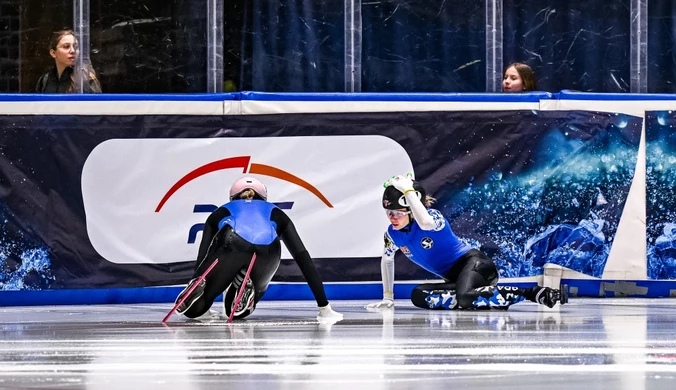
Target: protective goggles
{"points": [[396, 213]]}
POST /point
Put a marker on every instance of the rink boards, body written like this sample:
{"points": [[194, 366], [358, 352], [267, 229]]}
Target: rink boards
{"points": [[106, 194]]}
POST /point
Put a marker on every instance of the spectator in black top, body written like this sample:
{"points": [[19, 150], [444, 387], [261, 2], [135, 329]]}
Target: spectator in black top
{"points": [[63, 77]]}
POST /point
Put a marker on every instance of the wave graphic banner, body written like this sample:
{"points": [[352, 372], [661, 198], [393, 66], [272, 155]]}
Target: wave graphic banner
{"points": [[661, 193]]}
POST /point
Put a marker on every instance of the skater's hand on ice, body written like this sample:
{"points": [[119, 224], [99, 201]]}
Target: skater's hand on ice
{"points": [[326, 314], [402, 183], [386, 303]]}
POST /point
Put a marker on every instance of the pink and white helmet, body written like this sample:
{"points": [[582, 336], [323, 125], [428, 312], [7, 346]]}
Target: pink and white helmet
{"points": [[246, 183]]}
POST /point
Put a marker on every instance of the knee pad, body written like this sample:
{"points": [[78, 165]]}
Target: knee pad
{"points": [[487, 269]]}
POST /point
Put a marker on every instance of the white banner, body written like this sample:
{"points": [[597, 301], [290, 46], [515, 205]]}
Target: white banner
{"points": [[140, 195]]}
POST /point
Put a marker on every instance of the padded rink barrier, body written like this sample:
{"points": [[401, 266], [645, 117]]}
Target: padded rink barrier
{"points": [[107, 104], [256, 103], [637, 261]]}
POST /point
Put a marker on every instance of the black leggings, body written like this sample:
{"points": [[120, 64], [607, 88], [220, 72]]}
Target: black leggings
{"points": [[473, 279], [234, 253], [474, 269]]}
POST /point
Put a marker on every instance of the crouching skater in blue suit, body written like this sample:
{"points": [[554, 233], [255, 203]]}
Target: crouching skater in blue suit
{"points": [[246, 225], [424, 235]]}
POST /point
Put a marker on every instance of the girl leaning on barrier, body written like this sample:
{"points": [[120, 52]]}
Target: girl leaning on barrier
{"points": [[519, 77]]}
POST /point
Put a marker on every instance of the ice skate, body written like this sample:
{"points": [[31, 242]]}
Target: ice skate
{"points": [[548, 296], [192, 298]]}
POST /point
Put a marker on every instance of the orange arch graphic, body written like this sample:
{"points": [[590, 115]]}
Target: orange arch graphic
{"points": [[241, 162], [232, 162], [267, 170]]}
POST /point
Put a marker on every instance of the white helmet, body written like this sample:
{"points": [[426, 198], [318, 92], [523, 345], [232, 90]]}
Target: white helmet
{"points": [[246, 183]]}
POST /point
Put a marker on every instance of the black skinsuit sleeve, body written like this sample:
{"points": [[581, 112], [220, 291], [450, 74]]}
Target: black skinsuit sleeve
{"points": [[210, 230], [287, 231]]}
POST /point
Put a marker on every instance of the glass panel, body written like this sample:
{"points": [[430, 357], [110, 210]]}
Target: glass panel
{"points": [[285, 46], [639, 46], [494, 45], [571, 44], [424, 46], [215, 46], [353, 29], [84, 77], [233, 33], [661, 47], [27, 27], [149, 46]]}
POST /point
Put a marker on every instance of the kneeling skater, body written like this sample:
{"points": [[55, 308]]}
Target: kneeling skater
{"points": [[246, 225]]}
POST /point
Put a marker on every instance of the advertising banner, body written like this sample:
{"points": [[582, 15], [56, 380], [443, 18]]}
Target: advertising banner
{"points": [[661, 193], [119, 201]]}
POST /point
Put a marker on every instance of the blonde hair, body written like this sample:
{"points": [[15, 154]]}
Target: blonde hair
{"points": [[247, 194], [429, 201]]}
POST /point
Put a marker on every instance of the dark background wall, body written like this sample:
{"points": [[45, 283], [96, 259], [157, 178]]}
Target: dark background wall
{"points": [[160, 46]]}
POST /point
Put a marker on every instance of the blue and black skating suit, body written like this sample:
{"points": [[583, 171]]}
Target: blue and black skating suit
{"points": [[435, 250], [234, 231], [470, 276]]}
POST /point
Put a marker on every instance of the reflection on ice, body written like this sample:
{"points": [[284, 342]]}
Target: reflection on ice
{"points": [[615, 343]]}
